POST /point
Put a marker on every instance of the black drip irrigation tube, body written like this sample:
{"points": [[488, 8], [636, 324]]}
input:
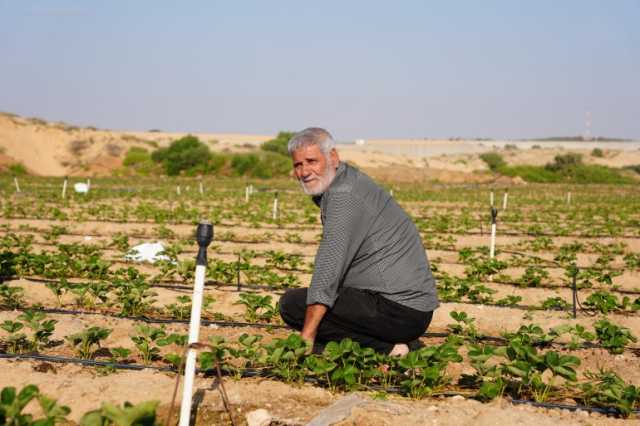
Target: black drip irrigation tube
{"points": [[231, 324], [239, 287], [254, 372]]}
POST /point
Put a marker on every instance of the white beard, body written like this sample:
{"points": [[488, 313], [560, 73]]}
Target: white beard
{"points": [[323, 181]]}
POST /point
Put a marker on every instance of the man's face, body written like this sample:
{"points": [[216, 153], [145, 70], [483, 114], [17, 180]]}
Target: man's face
{"points": [[314, 170]]}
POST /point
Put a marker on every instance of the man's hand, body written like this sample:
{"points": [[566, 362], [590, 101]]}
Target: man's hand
{"points": [[312, 318]]}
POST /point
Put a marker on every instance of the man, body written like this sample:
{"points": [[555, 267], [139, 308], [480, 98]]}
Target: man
{"points": [[372, 281]]}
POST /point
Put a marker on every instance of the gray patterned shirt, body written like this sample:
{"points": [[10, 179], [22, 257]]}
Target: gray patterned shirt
{"points": [[369, 243]]}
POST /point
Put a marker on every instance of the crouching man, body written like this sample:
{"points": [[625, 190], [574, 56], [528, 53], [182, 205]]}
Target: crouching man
{"points": [[372, 281]]}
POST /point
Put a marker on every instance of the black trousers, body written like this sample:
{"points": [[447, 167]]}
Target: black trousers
{"points": [[363, 316]]}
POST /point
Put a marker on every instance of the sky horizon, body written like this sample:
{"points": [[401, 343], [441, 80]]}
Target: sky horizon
{"points": [[412, 69]]}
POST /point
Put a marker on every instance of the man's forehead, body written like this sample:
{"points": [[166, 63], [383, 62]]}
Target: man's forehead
{"points": [[307, 151]]}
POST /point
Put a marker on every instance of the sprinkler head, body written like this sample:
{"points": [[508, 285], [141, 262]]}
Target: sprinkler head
{"points": [[204, 234]]}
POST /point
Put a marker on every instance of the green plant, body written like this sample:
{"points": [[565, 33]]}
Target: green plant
{"points": [[84, 341], [258, 307], [613, 337], [12, 403], [146, 340], [493, 160], [42, 329], [11, 297], [142, 414], [184, 154], [607, 390], [16, 341]]}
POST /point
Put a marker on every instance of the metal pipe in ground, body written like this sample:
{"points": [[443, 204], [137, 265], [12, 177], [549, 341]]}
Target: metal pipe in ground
{"points": [[204, 236]]}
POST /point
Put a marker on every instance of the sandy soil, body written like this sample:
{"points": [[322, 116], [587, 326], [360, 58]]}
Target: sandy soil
{"points": [[66, 150]]}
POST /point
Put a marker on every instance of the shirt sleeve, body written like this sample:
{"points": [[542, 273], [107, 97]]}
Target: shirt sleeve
{"points": [[344, 231]]}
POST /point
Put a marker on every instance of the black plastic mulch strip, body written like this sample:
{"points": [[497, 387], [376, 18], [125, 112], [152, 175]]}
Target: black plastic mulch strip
{"points": [[265, 373]]}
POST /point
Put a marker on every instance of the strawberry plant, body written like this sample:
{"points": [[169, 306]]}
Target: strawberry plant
{"points": [[42, 329], [142, 414], [16, 341], [12, 403], [146, 340], [606, 389], [258, 307], [11, 297], [613, 337], [84, 341]]}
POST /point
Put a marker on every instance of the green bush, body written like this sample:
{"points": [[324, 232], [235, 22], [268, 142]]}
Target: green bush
{"points": [[493, 160], [263, 165], [531, 173], [187, 153], [634, 168], [565, 163], [279, 144], [17, 169], [136, 156], [597, 152]]}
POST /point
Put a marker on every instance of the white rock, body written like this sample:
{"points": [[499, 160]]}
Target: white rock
{"points": [[457, 398], [259, 417]]}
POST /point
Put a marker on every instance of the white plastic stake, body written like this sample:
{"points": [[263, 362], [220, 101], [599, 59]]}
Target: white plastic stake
{"points": [[246, 194], [88, 184], [504, 200], [204, 235], [15, 180], [569, 197], [492, 247], [251, 189], [201, 188], [275, 207], [64, 187], [178, 189], [391, 192], [491, 199]]}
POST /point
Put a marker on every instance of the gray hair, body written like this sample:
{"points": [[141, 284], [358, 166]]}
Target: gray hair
{"points": [[312, 136]]}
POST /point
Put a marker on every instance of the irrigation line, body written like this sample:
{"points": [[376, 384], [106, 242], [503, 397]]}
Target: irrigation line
{"points": [[253, 372], [501, 341], [217, 284], [302, 227]]}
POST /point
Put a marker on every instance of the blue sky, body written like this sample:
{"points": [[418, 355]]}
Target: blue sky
{"points": [[502, 69]]}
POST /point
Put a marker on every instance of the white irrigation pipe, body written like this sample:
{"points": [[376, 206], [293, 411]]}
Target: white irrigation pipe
{"points": [[178, 189], [246, 194], [15, 180], [492, 247], [201, 188], [391, 192], [569, 197], [491, 199], [64, 187], [204, 235], [275, 207], [504, 199], [88, 185]]}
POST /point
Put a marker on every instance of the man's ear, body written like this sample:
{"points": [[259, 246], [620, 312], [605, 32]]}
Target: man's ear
{"points": [[335, 158]]}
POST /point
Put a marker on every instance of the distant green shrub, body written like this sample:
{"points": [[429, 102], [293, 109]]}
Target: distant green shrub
{"points": [[565, 163], [17, 169], [493, 160], [261, 165], [597, 152], [279, 144], [634, 168], [187, 153], [136, 155], [531, 173]]}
